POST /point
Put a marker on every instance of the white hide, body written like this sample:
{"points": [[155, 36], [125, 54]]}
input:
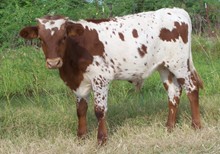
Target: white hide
{"points": [[128, 64]]}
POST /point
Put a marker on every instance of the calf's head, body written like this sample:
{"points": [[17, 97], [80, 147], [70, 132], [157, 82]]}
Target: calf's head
{"points": [[53, 31]]}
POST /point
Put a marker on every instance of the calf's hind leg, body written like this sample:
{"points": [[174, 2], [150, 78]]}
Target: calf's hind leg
{"points": [[194, 104], [174, 91], [192, 85]]}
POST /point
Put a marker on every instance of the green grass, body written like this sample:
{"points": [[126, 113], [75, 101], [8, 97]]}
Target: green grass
{"points": [[38, 113]]}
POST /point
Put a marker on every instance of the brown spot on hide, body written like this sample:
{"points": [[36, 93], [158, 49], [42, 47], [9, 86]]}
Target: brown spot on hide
{"points": [[96, 83], [99, 112], [97, 63], [112, 61], [75, 64], [181, 30], [90, 41], [181, 81], [143, 50], [121, 36], [135, 33]]}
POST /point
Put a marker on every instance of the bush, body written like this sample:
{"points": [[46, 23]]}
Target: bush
{"points": [[15, 14]]}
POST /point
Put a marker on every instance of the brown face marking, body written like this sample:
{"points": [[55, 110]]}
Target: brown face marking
{"points": [[135, 33], [142, 51], [51, 48], [52, 22], [179, 31], [83, 50], [121, 36], [44, 21], [54, 29]]}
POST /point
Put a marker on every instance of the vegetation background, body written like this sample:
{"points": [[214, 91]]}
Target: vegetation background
{"points": [[37, 111]]}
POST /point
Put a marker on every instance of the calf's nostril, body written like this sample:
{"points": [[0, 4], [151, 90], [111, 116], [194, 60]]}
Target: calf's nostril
{"points": [[58, 62]]}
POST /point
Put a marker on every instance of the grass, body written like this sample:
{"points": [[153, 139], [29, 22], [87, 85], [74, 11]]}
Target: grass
{"points": [[38, 113]]}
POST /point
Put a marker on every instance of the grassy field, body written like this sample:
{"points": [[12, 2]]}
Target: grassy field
{"points": [[38, 115]]}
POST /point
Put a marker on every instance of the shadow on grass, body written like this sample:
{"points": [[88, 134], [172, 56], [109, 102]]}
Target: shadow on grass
{"points": [[139, 108], [48, 114]]}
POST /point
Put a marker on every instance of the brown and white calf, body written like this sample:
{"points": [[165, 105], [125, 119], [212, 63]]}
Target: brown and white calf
{"points": [[91, 53]]}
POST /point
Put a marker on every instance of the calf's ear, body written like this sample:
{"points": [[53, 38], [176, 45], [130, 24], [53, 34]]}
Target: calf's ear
{"points": [[73, 29], [29, 32]]}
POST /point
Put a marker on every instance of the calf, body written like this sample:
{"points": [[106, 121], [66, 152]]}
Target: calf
{"points": [[91, 53]]}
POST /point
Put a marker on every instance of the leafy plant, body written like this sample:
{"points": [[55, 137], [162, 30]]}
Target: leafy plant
{"points": [[15, 14]]}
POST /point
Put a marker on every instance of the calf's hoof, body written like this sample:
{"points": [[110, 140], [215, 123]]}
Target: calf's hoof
{"points": [[102, 139], [170, 127], [82, 135], [196, 125]]}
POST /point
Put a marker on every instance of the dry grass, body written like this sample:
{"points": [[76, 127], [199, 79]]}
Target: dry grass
{"points": [[129, 138]]}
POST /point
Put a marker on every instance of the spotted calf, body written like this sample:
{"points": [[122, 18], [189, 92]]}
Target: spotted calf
{"points": [[91, 53]]}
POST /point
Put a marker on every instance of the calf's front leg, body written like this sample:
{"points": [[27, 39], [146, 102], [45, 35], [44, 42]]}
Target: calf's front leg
{"points": [[102, 130], [100, 88], [81, 114]]}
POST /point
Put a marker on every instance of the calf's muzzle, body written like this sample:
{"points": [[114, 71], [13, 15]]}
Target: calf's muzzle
{"points": [[54, 63]]}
